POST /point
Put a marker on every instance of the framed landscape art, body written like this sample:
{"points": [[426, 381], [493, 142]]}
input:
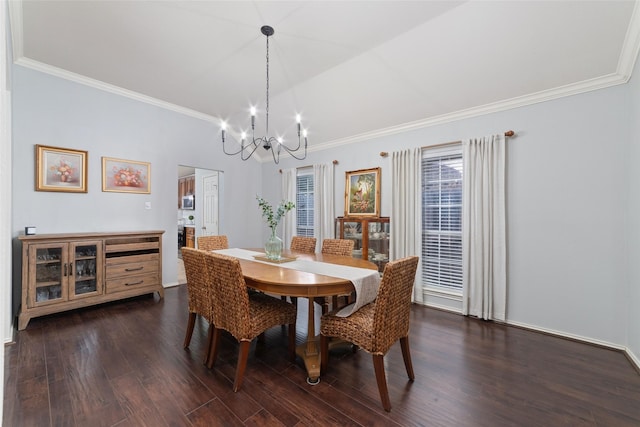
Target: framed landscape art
{"points": [[61, 169], [362, 193], [126, 176]]}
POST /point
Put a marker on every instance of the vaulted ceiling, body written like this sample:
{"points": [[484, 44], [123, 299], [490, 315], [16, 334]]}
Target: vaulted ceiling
{"points": [[352, 69]]}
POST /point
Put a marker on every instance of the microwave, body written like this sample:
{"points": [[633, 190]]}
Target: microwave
{"points": [[188, 202]]}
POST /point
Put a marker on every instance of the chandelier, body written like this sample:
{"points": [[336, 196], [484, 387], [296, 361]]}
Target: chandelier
{"points": [[276, 145]]}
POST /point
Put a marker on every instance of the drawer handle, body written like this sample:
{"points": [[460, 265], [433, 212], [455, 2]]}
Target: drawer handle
{"points": [[133, 269], [136, 283]]}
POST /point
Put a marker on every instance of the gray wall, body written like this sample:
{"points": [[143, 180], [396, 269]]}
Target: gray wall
{"points": [[52, 111], [567, 208], [572, 195]]}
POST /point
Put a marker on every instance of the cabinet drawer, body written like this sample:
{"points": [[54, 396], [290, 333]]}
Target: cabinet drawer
{"points": [[126, 283], [132, 269]]}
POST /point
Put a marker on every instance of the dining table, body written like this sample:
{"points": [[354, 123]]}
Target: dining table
{"points": [[308, 276]]}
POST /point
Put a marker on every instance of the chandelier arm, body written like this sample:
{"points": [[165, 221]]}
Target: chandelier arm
{"points": [[243, 149], [292, 153], [255, 147]]}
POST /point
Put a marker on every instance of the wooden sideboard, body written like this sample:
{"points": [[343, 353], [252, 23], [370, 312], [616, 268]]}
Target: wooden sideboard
{"points": [[66, 271]]}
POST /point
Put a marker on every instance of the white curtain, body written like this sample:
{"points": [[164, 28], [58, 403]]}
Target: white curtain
{"points": [[289, 194], [484, 228], [323, 202], [406, 221]]}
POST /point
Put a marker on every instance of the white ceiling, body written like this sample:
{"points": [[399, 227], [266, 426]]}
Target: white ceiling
{"points": [[353, 69]]}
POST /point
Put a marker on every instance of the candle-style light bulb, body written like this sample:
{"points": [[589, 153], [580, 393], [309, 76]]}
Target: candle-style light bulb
{"points": [[223, 125], [243, 135], [252, 110]]}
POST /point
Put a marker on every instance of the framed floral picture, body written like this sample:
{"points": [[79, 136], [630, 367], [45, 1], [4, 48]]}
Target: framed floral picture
{"points": [[126, 176], [61, 169], [362, 193]]}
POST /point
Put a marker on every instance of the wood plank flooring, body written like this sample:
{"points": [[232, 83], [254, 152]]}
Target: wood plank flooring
{"points": [[122, 364]]}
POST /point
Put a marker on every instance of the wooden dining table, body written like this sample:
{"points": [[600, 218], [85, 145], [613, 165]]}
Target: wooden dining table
{"points": [[274, 279]]}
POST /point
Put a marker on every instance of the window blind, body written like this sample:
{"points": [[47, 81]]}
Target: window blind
{"points": [[442, 220], [304, 204]]}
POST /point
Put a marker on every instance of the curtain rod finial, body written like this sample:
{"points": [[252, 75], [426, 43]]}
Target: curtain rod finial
{"points": [[335, 162], [383, 154]]}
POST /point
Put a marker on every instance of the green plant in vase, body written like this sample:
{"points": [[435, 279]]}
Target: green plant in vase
{"points": [[273, 247]]}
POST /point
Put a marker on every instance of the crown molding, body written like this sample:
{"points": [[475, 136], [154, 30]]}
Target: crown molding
{"points": [[97, 84], [15, 21], [631, 45], [543, 96]]}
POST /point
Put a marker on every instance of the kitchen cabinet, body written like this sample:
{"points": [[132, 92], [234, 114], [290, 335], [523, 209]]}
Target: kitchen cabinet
{"points": [[190, 237], [65, 271], [186, 186], [370, 236]]}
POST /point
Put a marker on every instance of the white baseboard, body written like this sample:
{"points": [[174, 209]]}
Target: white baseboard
{"points": [[633, 358], [630, 355]]}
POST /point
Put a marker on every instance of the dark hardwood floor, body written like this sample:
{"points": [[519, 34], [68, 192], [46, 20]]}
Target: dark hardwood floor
{"points": [[123, 364]]}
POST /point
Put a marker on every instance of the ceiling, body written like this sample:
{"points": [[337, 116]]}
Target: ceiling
{"points": [[353, 69]]}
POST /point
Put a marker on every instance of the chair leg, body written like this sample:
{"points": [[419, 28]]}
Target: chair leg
{"points": [[215, 345], [378, 366], [406, 355], [324, 353], [190, 324], [292, 341], [243, 355], [209, 339]]}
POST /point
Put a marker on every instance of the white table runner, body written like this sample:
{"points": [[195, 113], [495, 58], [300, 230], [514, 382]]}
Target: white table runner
{"points": [[365, 281]]}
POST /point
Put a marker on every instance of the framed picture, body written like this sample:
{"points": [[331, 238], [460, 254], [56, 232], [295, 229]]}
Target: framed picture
{"points": [[362, 193], [61, 169], [126, 176]]}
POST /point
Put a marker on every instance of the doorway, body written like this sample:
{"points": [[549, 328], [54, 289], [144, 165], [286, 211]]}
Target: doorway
{"points": [[204, 187]]}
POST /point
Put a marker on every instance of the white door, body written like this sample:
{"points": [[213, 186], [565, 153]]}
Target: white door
{"points": [[210, 205]]}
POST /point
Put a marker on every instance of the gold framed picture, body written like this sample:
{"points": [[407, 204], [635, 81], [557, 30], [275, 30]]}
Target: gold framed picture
{"points": [[362, 193], [61, 169], [126, 176]]}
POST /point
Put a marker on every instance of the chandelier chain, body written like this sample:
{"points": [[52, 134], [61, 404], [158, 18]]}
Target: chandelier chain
{"points": [[267, 127]]}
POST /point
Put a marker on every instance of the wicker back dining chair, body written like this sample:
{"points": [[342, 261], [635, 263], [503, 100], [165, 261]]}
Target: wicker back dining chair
{"points": [[378, 325], [243, 315], [302, 244], [199, 293], [212, 243], [342, 247]]}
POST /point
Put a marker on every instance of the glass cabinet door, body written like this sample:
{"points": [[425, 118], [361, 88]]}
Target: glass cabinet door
{"points": [[49, 283], [85, 269]]}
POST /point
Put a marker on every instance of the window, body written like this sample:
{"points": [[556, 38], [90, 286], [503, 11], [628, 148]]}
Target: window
{"points": [[304, 203], [442, 219]]}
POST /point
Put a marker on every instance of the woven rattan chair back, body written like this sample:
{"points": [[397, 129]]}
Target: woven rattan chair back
{"points": [[378, 325], [393, 304], [342, 247], [243, 315], [229, 296], [306, 245], [198, 289], [212, 243]]}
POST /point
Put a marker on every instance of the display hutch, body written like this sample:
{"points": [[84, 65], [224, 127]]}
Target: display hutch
{"points": [[65, 271], [370, 236]]}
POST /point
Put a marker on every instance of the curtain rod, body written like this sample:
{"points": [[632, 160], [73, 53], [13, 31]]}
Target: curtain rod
{"points": [[445, 144], [335, 162]]}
